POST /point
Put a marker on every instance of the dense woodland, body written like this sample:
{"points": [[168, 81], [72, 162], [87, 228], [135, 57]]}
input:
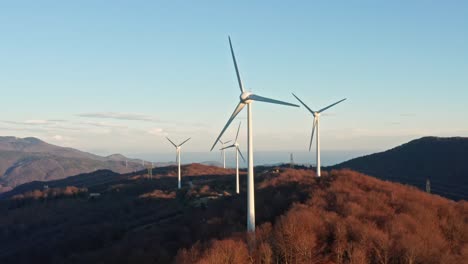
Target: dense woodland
{"points": [[343, 217]]}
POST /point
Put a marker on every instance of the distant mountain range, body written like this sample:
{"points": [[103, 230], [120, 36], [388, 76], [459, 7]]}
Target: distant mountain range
{"points": [[443, 161], [29, 159]]}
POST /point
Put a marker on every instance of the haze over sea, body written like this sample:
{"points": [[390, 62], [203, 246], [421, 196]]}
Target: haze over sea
{"points": [[261, 157]]}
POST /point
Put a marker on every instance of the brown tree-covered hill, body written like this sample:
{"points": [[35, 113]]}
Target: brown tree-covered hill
{"points": [[103, 178], [29, 159], [343, 217], [444, 161]]}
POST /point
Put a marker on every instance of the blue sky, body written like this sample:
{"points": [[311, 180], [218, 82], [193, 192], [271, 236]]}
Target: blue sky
{"points": [[118, 76]]}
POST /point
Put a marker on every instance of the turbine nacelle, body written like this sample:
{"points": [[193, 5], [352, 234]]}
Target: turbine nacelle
{"points": [[245, 97]]}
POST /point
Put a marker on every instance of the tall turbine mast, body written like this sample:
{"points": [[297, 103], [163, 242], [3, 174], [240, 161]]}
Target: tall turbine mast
{"points": [[238, 152], [316, 126], [178, 148], [247, 98]]}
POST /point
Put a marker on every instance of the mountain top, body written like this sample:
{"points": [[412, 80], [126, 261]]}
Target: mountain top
{"points": [[119, 157], [29, 159], [441, 161]]}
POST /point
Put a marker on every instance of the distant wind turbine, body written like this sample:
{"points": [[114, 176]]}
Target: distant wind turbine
{"points": [[315, 126], [178, 147], [238, 152], [246, 98], [223, 153]]}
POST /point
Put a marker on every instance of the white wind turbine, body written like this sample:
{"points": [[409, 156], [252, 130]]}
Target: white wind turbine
{"points": [[223, 153], [238, 152], [246, 98], [178, 147], [315, 126]]}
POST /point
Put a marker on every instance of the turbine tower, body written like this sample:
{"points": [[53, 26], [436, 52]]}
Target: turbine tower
{"points": [[223, 153], [316, 126], [247, 98], [238, 152], [178, 147]]}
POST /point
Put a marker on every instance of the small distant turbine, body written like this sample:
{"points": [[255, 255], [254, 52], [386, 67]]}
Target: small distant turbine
{"points": [[223, 152], [315, 125], [238, 152], [178, 147], [246, 99]]}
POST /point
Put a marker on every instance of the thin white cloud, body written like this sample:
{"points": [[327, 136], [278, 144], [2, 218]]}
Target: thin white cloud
{"points": [[121, 116], [58, 137], [42, 122], [157, 132], [103, 124], [37, 122]]}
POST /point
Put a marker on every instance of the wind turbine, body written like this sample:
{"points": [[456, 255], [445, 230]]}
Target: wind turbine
{"points": [[315, 126], [247, 98], [236, 145], [223, 152], [178, 147]]}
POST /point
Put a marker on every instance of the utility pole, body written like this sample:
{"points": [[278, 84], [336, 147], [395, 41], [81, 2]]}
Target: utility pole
{"points": [[150, 172], [291, 164], [428, 185]]}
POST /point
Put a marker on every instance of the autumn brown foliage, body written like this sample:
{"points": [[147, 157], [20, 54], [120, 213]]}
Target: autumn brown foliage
{"points": [[50, 193], [353, 218], [342, 217]]}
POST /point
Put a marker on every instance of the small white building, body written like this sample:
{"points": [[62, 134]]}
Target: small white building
{"points": [[94, 195]]}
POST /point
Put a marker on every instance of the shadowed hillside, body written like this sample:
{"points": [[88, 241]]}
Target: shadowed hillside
{"points": [[343, 217], [444, 161], [106, 177]]}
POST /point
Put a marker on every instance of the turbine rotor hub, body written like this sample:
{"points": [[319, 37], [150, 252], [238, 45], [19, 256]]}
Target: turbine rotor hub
{"points": [[244, 97]]}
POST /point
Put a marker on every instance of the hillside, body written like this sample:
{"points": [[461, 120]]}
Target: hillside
{"points": [[343, 217], [24, 160], [444, 161], [104, 178]]}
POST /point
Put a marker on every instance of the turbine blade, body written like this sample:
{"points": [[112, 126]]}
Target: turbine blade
{"points": [[308, 108], [323, 109], [240, 153], [231, 146], [227, 141], [268, 100], [237, 135], [177, 157], [312, 136], [235, 66], [234, 114], [184, 141], [172, 142]]}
